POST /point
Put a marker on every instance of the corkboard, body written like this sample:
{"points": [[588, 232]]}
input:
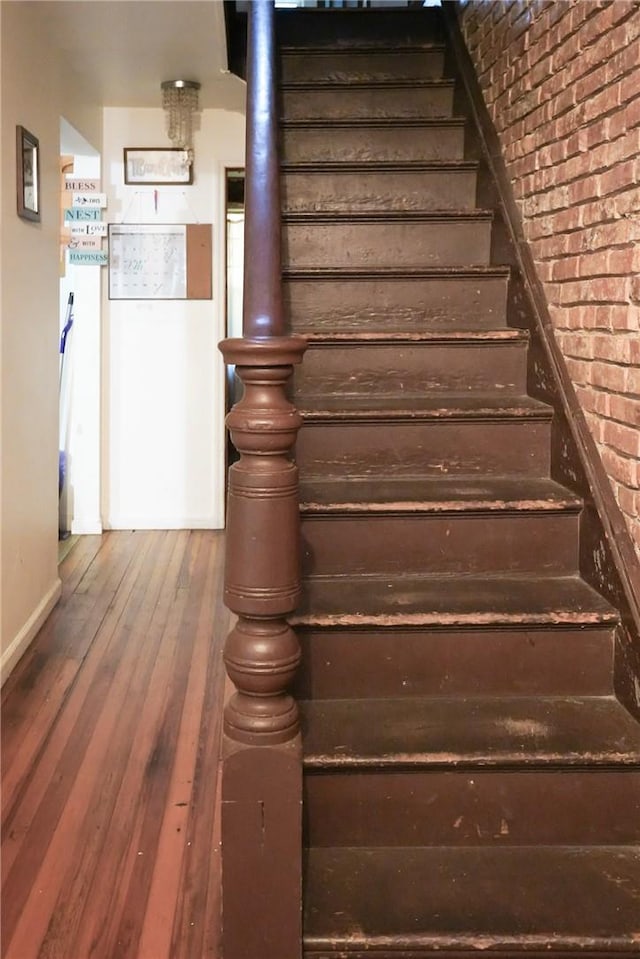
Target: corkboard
{"points": [[156, 261], [199, 249]]}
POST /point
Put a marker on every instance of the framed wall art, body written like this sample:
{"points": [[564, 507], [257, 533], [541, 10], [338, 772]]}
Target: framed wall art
{"points": [[162, 166], [27, 174]]}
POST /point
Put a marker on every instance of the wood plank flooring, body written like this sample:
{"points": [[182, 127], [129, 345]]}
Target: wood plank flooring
{"points": [[110, 753]]}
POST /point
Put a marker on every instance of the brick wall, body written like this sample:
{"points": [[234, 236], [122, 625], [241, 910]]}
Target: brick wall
{"points": [[561, 79]]}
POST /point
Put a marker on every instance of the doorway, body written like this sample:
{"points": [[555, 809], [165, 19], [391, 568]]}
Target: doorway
{"points": [[234, 220], [80, 362]]}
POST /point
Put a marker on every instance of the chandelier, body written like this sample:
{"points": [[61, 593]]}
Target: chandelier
{"points": [[180, 103]]}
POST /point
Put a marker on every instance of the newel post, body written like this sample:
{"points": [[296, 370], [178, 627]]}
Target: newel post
{"points": [[262, 755]]}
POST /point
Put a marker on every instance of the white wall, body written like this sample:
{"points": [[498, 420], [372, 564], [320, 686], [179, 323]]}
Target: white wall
{"points": [[163, 405], [34, 98]]}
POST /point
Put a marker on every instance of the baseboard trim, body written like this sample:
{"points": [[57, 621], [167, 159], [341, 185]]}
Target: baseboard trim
{"points": [[27, 634], [163, 522], [86, 528]]}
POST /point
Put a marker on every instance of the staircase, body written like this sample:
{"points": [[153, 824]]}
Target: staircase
{"points": [[472, 784]]}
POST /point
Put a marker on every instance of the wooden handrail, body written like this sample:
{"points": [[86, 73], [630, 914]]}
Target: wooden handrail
{"points": [[262, 280], [262, 752]]}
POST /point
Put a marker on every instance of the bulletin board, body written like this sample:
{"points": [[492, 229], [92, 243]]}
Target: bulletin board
{"points": [[160, 261]]}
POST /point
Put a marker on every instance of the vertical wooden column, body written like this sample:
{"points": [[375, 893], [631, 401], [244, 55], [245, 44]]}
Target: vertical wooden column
{"points": [[262, 756]]}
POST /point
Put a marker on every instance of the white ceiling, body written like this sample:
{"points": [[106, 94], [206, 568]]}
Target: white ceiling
{"points": [[125, 48]]}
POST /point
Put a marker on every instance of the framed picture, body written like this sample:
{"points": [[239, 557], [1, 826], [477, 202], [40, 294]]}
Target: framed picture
{"points": [[27, 174], [162, 166]]}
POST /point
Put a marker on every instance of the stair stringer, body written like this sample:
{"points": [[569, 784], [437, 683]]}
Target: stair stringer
{"points": [[608, 560]]}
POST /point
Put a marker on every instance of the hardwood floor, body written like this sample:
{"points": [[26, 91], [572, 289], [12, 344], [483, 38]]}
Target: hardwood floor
{"points": [[110, 752]]}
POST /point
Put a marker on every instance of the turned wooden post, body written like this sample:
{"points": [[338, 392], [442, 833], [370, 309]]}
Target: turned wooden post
{"points": [[262, 756]]}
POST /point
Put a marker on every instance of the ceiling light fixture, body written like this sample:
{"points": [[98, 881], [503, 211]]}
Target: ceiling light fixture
{"points": [[180, 103]]}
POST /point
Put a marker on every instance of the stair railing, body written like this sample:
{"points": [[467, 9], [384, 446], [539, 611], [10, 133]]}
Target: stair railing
{"points": [[262, 755]]}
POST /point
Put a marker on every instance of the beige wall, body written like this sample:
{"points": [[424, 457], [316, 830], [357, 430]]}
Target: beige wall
{"points": [[36, 89]]}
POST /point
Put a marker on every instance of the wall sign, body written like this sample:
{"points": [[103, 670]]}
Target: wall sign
{"points": [[77, 214], [91, 228], [96, 201], [81, 185], [151, 165], [88, 257]]}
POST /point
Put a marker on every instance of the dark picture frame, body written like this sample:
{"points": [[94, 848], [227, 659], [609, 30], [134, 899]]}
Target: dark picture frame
{"points": [[27, 174], [157, 166]]}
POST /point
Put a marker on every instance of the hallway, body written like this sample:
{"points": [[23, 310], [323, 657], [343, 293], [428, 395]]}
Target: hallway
{"points": [[110, 748]]}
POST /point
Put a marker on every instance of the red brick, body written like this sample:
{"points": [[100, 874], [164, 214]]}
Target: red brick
{"points": [[620, 317], [629, 500], [624, 469], [597, 211], [618, 233], [628, 87], [576, 344], [625, 409], [565, 269], [596, 133], [622, 438], [593, 264], [579, 370], [621, 262], [593, 82], [618, 177], [626, 117], [604, 102], [625, 59], [608, 376], [598, 401], [618, 348], [572, 293], [608, 290]]}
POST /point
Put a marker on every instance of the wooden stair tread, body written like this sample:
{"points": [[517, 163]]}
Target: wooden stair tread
{"points": [[390, 601], [475, 272], [385, 216], [438, 495], [423, 406], [369, 122], [368, 84], [353, 51], [400, 337], [450, 732], [400, 901], [379, 166]]}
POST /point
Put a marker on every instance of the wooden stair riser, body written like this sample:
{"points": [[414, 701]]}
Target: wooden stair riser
{"points": [[424, 448], [391, 663], [377, 102], [472, 808], [379, 190], [370, 304], [350, 30], [379, 243], [417, 368], [546, 544], [320, 142], [348, 65], [462, 902]]}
